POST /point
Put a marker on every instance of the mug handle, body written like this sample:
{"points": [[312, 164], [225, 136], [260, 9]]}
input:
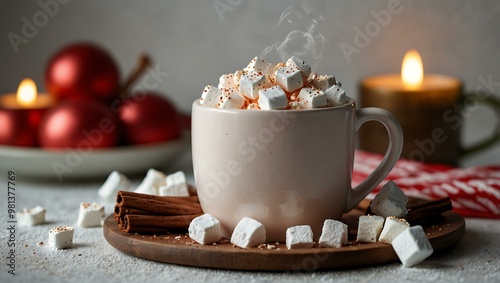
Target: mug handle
{"points": [[392, 154], [494, 103]]}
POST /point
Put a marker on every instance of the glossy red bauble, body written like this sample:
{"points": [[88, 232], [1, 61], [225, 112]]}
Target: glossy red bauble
{"points": [[81, 124], [83, 70], [148, 118], [19, 127]]}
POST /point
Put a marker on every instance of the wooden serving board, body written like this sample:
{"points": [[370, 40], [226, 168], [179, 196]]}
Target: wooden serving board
{"points": [[180, 249]]}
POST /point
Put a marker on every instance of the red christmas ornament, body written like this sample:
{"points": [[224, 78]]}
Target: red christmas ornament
{"points": [[83, 70], [148, 118], [80, 124], [19, 127]]}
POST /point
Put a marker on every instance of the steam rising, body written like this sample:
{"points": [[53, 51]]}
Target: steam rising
{"points": [[306, 44]]}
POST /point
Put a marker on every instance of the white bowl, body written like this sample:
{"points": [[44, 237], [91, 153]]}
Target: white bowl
{"points": [[71, 164]]}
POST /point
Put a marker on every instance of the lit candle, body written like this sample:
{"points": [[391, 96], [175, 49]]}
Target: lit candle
{"points": [[419, 102], [20, 114]]}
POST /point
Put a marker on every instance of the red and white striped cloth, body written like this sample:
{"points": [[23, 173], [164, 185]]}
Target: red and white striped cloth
{"points": [[474, 191]]}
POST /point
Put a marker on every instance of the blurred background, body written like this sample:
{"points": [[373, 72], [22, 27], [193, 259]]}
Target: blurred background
{"points": [[197, 41]]}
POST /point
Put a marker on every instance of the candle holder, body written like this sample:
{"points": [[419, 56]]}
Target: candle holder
{"points": [[427, 135], [19, 119], [19, 127], [429, 109], [430, 116]]}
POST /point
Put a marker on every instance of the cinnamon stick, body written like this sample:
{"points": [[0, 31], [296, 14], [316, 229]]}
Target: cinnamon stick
{"points": [[144, 213], [158, 204], [428, 211], [428, 204], [165, 207], [135, 223], [180, 200], [121, 211]]}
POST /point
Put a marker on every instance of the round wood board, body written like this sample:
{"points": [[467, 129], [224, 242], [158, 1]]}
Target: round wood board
{"points": [[180, 249]]}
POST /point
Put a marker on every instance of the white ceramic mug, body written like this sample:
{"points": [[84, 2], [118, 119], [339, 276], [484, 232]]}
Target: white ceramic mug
{"points": [[283, 167]]}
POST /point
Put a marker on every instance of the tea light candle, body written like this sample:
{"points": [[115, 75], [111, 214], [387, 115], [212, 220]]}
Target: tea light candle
{"points": [[20, 114], [420, 103]]}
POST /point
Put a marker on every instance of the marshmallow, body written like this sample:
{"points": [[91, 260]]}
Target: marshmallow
{"points": [[308, 81], [292, 77], [369, 228], [205, 229], [392, 228], [412, 246], [334, 234], [248, 233], [323, 82], [272, 98], [289, 78], [151, 183], [251, 83], [301, 65], [176, 185], [335, 96], [115, 182], [61, 237], [231, 99], [259, 65], [236, 78], [271, 79], [210, 96], [90, 214], [311, 98], [279, 65], [31, 217], [253, 106], [294, 105], [298, 237], [390, 201], [226, 81]]}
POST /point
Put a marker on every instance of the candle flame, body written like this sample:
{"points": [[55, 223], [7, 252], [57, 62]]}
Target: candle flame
{"points": [[412, 71], [26, 93]]}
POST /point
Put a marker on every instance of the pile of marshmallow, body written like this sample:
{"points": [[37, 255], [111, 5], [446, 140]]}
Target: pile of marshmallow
{"points": [[262, 85], [92, 214], [61, 237], [388, 226], [155, 183], [248, 233]]}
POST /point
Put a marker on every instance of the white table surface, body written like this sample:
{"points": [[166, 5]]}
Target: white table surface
{"points": [[475, 258]]}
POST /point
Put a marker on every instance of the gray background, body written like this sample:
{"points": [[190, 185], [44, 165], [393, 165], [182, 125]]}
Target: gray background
{"points": [[195, 43]]}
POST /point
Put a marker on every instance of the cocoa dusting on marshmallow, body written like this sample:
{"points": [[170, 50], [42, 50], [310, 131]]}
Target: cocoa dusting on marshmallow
{"points": [[284, 80]]}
